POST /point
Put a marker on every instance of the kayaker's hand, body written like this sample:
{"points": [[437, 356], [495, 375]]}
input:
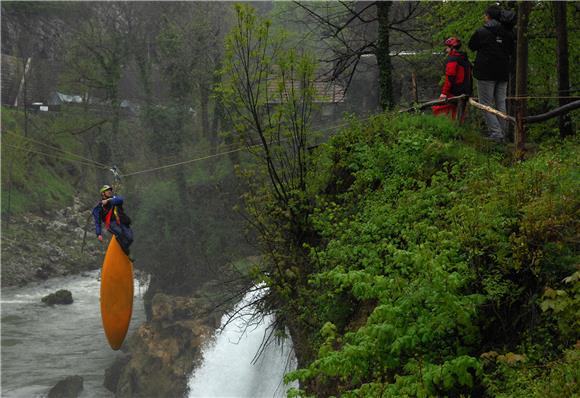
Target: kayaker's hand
{"points": [[100, 238]]}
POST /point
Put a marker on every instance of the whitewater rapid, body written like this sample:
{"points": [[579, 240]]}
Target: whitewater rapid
{"points": [[42, 345]]}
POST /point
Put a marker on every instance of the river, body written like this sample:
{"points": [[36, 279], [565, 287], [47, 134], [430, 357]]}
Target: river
{"points": [[42, 345]]}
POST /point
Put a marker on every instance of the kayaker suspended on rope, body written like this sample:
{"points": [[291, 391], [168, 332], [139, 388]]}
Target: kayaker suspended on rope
{"points": [[110, 211]]}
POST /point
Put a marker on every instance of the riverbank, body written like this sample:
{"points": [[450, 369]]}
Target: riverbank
{"points": [[37, 247]]}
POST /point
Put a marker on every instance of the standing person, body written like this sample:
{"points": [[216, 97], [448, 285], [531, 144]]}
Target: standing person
{"points": [[458, 79], [110, 211], [494, 45]]}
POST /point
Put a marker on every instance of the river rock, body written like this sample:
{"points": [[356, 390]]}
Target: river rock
{"points": [[60, 297], [113, 373], [70, 387], [164, 350]]}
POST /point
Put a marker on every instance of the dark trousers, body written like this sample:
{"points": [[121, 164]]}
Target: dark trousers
{"points": [[124, 235]]}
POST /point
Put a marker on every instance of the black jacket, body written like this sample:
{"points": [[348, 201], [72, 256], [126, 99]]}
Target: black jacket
{"points": [[494, 45]]}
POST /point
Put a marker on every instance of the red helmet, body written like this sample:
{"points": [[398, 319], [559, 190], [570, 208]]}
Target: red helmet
{"points": [[453, 42]]}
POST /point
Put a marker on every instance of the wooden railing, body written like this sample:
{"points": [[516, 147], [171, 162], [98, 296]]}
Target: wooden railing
{"points": [[520, 144]]}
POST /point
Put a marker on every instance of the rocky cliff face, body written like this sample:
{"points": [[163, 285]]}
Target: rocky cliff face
{"points": [[163, 352], [36, 247]]}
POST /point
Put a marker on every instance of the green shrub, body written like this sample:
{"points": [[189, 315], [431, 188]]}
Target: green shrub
{"points": [[432, 252]]}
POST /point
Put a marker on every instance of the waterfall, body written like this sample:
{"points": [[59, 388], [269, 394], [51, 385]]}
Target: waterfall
{"points": [[230, 367]]}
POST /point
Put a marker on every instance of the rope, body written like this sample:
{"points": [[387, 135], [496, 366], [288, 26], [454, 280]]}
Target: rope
{"points": [[92, 164], [55, 148]]}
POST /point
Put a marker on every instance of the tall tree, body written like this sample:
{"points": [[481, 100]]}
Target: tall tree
{"points": [[268, 93], [351, 30], [561, 22], [524, 10], [383, 56], [97, 55]]}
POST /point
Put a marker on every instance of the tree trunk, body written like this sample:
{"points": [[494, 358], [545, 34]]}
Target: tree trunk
{"points": [[114, 137], [562, 66], [204, 103], [524, 10], [383, 56], [218, 112], [510, 103]]}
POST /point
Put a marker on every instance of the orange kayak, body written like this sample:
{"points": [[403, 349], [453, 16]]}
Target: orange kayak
{"points": [[116, 294]]}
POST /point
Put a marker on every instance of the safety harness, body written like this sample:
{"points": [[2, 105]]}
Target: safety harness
{"points": [[109, 216]]}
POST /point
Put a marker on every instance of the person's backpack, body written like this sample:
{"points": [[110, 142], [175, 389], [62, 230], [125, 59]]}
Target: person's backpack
{"points": [[466, 86], [508, 19]]}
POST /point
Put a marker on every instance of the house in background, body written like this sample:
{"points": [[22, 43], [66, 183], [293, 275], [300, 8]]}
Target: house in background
{"points": [[60, 99], [34, 82], [328, 96]]}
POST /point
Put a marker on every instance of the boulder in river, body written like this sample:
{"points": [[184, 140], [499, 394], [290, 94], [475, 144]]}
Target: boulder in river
{"points": [[70, 387], [60, 297], [113, 373]]}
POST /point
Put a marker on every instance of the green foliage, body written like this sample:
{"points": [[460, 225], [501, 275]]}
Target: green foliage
{"points": [[268, 92], [549, 379], [431, 252]]}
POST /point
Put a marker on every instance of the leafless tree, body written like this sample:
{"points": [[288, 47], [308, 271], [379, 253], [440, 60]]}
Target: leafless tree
{"points": [[352, 30]]}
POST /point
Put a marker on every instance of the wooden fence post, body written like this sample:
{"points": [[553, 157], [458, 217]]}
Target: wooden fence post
{"points": [[524, 9], [414, 87]]}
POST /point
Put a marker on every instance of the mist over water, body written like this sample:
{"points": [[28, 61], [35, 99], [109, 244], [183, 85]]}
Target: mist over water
{"points": [[230, 367]]}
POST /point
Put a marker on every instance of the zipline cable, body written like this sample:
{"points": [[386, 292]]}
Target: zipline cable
{"points": [[85, 163], [89, 162], [184, 162], [217, 154], [55, 148]]}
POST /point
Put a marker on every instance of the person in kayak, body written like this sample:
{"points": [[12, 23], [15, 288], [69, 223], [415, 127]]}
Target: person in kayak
{"points": [[110, 211]]}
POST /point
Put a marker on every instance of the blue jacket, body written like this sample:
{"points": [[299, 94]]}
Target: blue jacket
{"points": [[100, 212]]}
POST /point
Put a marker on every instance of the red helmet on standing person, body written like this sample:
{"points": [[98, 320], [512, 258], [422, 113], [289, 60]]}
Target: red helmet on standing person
{"points": [[453, 42]]}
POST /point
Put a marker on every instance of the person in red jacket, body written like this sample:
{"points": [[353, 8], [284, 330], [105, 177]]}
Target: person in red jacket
{"points": [[458, 79]]}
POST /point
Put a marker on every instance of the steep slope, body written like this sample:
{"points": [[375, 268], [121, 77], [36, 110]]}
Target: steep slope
{"points": [[441, 266]]}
